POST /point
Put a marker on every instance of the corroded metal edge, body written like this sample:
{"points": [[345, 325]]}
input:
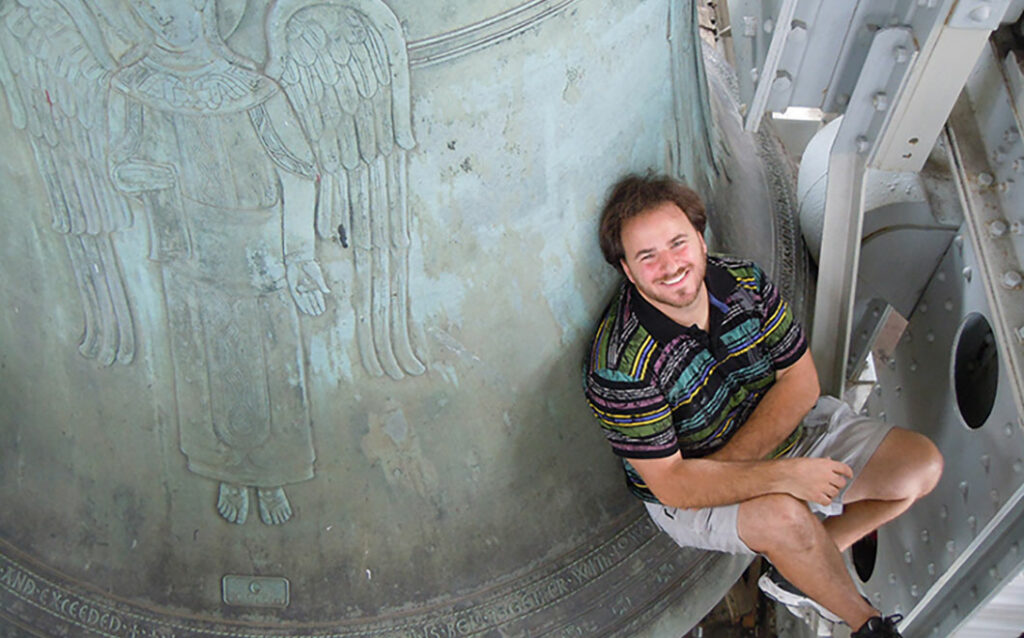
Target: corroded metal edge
{"points": [[619, 582], [478, 35]]}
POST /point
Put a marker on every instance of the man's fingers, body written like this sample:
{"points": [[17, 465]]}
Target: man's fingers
{"points": [[844, 469]]}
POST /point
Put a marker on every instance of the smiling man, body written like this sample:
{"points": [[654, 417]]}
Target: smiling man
{"points": [[703, 384]]}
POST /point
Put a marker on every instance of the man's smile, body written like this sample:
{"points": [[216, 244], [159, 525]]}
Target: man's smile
{"points": [[675, 279]]}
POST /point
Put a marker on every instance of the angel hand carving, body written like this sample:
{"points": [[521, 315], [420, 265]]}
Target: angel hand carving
{"points": [[138, 176], [307, 285]]}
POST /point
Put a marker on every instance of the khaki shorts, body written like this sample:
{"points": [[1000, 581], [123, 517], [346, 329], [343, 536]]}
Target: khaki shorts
{"points": [[831, 430]]}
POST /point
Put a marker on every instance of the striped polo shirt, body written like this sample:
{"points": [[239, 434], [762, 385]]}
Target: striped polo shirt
{"points": [[657, 387]]}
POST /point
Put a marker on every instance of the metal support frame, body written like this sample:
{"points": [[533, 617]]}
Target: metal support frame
{"points": [[889, 58], [766, 79]]}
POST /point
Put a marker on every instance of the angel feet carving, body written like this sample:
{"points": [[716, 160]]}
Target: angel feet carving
{"points": [[274, 506], [233, 502]]}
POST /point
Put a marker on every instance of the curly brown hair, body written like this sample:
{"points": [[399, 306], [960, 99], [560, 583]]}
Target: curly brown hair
{"points": [[636, 194]]}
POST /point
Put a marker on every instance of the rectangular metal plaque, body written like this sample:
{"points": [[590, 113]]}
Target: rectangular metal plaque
{"points": [[255, 591]]}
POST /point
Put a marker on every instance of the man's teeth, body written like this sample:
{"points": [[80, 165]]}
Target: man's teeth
{"points": [[676, 279]]}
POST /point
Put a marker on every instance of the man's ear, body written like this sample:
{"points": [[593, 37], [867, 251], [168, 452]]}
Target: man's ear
{"points": [[625, 269]]}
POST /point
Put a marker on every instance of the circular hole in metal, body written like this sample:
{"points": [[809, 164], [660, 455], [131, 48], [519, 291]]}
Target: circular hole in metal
{"points": [[864, 553], [913, 140], [975, 370]]}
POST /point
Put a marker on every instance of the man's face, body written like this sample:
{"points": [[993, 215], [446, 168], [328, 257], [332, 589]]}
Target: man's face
{"points": [[666, 259]]}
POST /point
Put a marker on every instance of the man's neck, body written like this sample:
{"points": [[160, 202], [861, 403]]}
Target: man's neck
{"points": [[697, 314]]}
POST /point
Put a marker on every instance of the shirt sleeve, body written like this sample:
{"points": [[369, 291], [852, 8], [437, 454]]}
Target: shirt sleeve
{"points": [[784, 339], [634, 415]]}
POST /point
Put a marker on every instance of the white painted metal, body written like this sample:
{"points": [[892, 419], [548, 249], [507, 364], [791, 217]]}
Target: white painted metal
{"points": [[767, 77], [881, 77]]}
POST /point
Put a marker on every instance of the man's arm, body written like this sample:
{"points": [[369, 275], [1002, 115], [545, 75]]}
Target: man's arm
{"points": [[780, 411], [695, 483]]}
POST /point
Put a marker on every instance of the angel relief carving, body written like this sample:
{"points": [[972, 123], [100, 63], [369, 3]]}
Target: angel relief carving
{"points": [[237, 171]]}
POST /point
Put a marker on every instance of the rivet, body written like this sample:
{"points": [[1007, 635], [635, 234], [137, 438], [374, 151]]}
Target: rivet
{"points": [[964, 489], [966, 273], [892, 363], [930, 336], [922, 307], [1014, 547], [942, 276], [908, 558], [1012, 279], [881, 415], [1018, 164], [1018, 466], [994, 495], [913, 366], [925, 536], [974, 591], [878, 390], [901, 54], [998, 156], [897, 609], [1017, 228], [972, 523], [863, 144], [997, 228], [981, 13], [892, 578], [913, 591], [769, 25], [878, 598], [931, 569], [1019, 331], [880, 101], [944, 512], [993, 573], [1008, 428], [1011, 134], [1004, 187], [986, 462], [948, 305], [951, 547], [985, 179]]}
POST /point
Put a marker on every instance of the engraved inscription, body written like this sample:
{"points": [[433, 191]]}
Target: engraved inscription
{"points": [[255, 591], [543, 605]]}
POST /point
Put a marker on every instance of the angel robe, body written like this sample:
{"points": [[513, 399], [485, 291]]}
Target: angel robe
{"points": [[216, 228]]}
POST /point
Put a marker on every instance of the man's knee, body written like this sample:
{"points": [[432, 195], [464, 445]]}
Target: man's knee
{"points": [[930, 465], [777, 522]]}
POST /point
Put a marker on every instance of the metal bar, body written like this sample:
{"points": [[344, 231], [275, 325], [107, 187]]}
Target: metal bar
{"points": [[889, 57], [783, 25]]}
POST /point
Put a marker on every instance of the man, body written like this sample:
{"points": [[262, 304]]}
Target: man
{"points": [[704, 386]]}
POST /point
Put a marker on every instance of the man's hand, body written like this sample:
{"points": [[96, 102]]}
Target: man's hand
{"points": [[813, 480]]}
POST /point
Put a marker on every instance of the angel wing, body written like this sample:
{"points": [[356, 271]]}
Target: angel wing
{"points": [[344, 68], [54, 68]]}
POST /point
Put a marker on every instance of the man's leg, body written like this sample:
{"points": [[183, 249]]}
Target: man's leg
{"points": [[785, 531], [905, 467]]}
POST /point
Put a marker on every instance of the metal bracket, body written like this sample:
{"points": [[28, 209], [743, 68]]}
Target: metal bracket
{"points": [[890, 57]]}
